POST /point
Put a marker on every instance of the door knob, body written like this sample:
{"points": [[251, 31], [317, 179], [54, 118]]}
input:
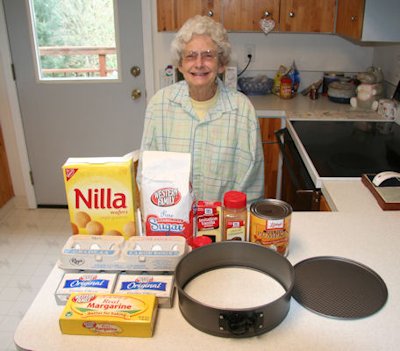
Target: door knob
{"points": [[135, 71], [136, 94]]}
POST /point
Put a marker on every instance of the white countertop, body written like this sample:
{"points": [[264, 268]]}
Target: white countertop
{"points": [[302, 107], [358, 229]]}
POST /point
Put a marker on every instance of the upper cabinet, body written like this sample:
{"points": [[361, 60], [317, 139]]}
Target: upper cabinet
{"points": [[244, 15], [369, 20], [172, 14], [307, 16]]}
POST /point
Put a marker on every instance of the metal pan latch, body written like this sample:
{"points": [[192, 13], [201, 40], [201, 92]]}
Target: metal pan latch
{"points": [[239, 323]]}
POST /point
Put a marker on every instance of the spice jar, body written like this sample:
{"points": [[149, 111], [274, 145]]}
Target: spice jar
{"points": [[313, 93], [234, 216], [286, 87]]}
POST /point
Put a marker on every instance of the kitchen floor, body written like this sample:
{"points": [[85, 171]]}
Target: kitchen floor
{"points": [[30, 243]]}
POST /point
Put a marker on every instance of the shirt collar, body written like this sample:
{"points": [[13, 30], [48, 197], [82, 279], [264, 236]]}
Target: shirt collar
{"points": [[225, 103]]}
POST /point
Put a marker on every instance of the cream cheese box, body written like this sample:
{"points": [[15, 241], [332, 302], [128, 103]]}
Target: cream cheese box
{"points": [[84, 282], [161, 286]]}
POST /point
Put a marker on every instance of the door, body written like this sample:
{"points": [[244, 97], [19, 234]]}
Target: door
{"points": [[6, 189], [77, 118]]}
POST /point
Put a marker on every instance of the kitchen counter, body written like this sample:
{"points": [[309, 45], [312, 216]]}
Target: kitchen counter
{"points": [[359, 230], [302, 107]]}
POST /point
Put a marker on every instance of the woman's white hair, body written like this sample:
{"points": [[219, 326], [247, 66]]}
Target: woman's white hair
{"points": [[201, 25]]}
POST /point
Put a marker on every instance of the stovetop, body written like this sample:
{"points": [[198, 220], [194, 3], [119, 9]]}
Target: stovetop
{"points": [[349, 148]]}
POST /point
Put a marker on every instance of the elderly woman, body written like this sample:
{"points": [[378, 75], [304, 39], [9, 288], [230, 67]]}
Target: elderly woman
{"points": [[217, 125]]}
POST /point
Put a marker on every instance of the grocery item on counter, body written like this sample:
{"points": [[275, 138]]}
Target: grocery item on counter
{"points": [[328, 78], [313, 92], [209, 220], [109, 315], [270, 221], [200, 241], [139, 253], [84, 282], [316, 85], [277, 79], [162, 286], [295, 77], [234, 216], [101, 195], [258, 85], [166, 194], [286, 88]]}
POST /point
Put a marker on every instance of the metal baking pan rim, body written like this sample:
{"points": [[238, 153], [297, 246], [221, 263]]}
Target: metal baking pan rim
{"points": [[228, 322]]}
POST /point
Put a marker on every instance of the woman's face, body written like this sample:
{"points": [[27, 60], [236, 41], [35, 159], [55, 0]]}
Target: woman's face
{"points": [[200, 64]]}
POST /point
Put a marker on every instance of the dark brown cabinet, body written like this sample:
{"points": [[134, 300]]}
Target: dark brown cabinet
{"points": [[268, 127]]}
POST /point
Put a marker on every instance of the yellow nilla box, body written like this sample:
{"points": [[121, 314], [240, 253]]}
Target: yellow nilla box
{"points": [[131, 315], [101, 194]]}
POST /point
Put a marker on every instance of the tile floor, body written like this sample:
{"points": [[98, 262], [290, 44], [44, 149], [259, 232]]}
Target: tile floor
{"points": [[30, 242]]}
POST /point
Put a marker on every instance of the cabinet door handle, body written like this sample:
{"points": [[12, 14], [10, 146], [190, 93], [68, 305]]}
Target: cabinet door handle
{"points": [[354, 18], [210, 13], [291, 14], [267, 14]]}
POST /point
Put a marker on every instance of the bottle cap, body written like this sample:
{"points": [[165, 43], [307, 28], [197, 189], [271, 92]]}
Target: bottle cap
{"points": [[200, 241], [234, 199]]}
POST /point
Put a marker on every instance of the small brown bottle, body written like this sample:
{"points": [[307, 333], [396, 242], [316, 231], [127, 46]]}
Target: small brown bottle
{"points": [[235, 216]]}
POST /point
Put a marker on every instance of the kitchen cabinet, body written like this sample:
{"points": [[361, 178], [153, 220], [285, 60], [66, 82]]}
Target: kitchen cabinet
{"points": [[369, 20], [307, 16], [171, 14], [268, 127], [244, 15], [323, 204]]}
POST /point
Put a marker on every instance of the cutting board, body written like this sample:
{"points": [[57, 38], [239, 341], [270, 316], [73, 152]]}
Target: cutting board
{"points": [[388, 196]]}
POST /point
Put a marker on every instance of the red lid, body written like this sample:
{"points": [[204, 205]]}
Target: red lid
{"points": [[199, 241], [234, 199]]}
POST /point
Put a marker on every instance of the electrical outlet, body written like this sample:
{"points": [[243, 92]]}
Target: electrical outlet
{"points": [[249, 49]]}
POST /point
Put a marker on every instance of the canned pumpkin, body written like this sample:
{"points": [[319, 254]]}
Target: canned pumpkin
{"points": [[270, 224]]}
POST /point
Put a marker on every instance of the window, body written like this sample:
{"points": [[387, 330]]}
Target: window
{"points": [[74, 39]]}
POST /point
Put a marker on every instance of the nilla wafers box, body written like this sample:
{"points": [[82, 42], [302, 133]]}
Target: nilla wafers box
{"points": [[101, 195]]}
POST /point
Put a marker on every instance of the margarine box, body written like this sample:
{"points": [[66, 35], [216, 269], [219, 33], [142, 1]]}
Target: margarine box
{"points": [[84, 282], [161, 286], [101, 195], [109, 315]]}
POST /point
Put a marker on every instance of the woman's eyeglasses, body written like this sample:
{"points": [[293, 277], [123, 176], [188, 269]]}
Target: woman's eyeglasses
{"points": [[207, 55]]}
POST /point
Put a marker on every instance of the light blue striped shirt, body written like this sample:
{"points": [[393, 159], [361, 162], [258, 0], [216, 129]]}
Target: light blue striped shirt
{"points": [[226, 145]]}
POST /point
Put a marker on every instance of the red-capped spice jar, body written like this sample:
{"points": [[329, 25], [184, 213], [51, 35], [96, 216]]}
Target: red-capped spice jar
{"points": [[286, 88], [234, 216]]}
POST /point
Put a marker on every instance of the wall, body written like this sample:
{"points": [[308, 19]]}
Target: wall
{"points": [[388, 57], [313, 53]]}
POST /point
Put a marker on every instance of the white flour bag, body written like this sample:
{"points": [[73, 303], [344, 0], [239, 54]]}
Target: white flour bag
{"points": [[166, 195]]}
